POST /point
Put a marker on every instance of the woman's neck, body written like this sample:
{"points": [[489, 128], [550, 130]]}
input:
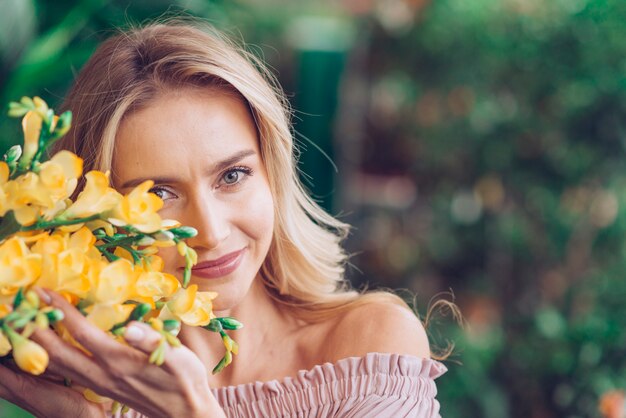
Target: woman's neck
{"points": [[270, 330]]}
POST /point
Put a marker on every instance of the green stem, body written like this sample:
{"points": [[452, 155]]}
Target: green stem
{"points": [[119, 243], [59, 222]]}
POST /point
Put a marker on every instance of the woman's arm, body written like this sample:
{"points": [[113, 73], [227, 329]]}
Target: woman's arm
{"points": [[177, 388]]}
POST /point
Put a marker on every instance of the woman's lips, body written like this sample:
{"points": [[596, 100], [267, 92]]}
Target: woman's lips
{"points": [[220, 267]]}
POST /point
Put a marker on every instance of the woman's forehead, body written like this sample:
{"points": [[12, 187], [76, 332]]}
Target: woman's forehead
{"points": [[178, 130]]}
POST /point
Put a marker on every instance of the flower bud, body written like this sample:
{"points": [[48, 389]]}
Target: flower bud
{"points": [[13, 154], [182, 248], [63, 124], [139, 312], [228, 342], [230, 323], [28, 355], [184, 232], [17, 110], [214, 325], [156, 324], [235, 349], [55, 315], [32, 298], [27, 102], [172, 326], [41, 320], [146, 241], [172, 340], [164, 235]]}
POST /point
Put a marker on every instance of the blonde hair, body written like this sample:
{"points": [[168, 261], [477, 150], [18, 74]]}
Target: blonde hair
{"points": [[304, 268]]}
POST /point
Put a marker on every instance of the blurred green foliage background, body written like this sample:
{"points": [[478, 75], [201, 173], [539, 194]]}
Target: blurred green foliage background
{"points": [[480, 149]]}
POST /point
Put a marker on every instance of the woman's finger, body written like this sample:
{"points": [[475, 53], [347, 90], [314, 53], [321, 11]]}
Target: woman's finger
{"points": [[145, 339], [65, 359], [142, 337], [92, 338]]}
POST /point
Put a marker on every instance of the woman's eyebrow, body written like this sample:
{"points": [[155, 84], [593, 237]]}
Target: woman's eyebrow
{"points": [[222, 165], [235, 158]]}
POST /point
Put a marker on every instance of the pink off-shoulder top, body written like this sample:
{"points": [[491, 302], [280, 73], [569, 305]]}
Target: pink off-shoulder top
{"points": [[376, 385]]}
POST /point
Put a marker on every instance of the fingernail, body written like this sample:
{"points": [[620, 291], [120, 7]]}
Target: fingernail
{"points": [[43, 295], [134, 334]]}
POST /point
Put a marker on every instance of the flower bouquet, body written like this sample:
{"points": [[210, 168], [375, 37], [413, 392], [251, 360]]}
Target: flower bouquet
{"points": [[98, 250]]}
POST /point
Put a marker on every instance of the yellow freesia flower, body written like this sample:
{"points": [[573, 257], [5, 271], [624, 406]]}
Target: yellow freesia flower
{"points": [[62, 268], [190, 306], [115, 283], [97, 197], [31, 125], [18, 266], [139, 209], [60, 175], [28, 355], [66, 260], [156, 285], [26, 196]]}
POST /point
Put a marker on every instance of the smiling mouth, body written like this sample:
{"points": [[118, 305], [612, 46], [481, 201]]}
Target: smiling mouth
{"points": [[219, 267]]}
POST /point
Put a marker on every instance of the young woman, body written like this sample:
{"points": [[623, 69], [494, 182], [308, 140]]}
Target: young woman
{"points": [[204, 120]]}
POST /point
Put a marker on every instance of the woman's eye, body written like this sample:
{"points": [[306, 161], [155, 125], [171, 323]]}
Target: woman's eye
{"points": [[235, 176], [162, 193], [231, 177]]}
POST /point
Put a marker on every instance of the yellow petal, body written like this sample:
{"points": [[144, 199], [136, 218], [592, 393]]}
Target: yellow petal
{"points": [[97, 197], [82, 239], [40, 105], [5, 344], [196, 317], [26, 215], [105, 316], [4, 172], [70, 228], [156, 284], [31, 125], [115, 283], [5, 309], [153, 263], [71, 164], [183, 300]]}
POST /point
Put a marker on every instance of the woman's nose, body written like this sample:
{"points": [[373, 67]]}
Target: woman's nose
{"points": [[212, 222]]}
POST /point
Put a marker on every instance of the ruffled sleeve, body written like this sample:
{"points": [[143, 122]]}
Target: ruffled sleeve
{"points": [[376, 385]]}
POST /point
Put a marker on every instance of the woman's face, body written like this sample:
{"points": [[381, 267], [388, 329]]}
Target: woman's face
{"points": [[201, 150]]}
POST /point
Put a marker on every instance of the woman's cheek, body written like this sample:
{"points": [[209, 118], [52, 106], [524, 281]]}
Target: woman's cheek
{"points": [[169, 256], [260, 217]]}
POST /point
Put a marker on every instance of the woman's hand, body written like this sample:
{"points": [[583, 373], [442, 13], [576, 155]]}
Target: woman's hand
{"points": [[177, 388], [44, 397]]}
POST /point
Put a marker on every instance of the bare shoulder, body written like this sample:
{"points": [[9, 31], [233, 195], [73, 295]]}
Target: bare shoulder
{"points": [[380, 327]]}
